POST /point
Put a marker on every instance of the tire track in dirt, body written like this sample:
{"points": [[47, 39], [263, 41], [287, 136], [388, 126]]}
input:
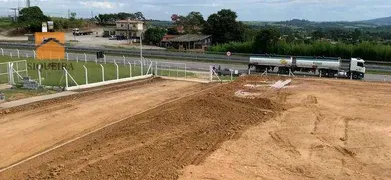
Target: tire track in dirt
{"points": [[70, 119]]}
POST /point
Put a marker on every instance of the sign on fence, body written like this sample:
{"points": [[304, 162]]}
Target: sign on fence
{"points": [[50, 45]]}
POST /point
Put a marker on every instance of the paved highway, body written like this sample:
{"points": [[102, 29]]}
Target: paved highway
{"points": [[190, 65]]}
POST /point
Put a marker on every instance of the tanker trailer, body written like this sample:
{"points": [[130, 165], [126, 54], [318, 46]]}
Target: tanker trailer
{"points": [[326, 67]]}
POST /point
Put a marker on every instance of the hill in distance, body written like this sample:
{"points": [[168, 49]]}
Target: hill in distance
{"points": [[379, 21], [302, 23]]}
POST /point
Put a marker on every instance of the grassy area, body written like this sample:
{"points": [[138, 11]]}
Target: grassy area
{"points": [[378, 72], [55, 76], [15, 94], [5, 23]]}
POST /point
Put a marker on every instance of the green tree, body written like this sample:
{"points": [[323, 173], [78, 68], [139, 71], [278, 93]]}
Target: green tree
{"points": [[31, 18], [193, 22], [265, 40], [318, 34], [154, 35], [223, 27], [111, 18], [139, 16], [356, 35], [172, 31], [73, 16]]}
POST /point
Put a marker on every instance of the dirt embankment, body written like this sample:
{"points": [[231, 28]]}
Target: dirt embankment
{"points": [[156, 144]]}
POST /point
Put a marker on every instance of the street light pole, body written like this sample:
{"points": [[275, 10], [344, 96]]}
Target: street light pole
{"points": [[128, 31], [141, 46]]}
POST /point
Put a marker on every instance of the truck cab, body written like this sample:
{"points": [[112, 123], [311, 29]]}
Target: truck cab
{"points": [[75, 31], [356, 68]]}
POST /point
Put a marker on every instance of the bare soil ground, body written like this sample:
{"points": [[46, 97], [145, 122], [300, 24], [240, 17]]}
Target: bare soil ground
{"points": [[330, 130], [30, 131], [316, 129]]}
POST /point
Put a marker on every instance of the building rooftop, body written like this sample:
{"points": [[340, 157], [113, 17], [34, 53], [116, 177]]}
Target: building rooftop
{"points": [[130, 21], [188, 38]]}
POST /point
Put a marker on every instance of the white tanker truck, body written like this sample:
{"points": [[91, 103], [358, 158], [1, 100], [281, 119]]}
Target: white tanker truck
{"points": [[326, 67]]}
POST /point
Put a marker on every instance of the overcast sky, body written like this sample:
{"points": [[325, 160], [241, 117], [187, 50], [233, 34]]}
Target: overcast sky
{"points": [[248, 10]]}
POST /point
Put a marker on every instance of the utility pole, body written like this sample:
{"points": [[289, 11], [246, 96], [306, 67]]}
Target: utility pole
{"points": [[141, 46], [69, 13], [15, 17], [128, 31], [28, 4]]}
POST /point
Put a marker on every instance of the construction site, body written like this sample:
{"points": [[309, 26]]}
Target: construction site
{"points": [[252, 128]]}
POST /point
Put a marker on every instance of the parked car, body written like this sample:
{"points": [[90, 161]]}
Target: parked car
{"points": [[227, 72], [112, 37]]}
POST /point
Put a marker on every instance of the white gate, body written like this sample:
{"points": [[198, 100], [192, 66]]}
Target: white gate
{"points": [[170, 69]]}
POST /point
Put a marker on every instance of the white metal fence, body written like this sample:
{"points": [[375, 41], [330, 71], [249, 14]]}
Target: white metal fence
{"points": [[13, 71], [178, 70], [135, 66]]}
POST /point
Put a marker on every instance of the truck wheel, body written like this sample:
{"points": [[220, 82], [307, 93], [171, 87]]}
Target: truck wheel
{"points": [[355, 76]]}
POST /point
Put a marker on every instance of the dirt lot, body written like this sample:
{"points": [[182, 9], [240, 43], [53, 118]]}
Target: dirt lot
{"points": [[330, 130], [27, 132], [316, 129]]}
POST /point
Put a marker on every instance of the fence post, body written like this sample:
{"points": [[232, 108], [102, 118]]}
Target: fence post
{"points": [[169, 70], [155, 68], [385, 78], [34, 53], [86, 73], [10, 73], [130, 69], [142, 68], [50, 53], [11, 54], [17, 51], [96, 60], [103, 73], [177, 71], [66, 78], [116, 65], [39, 74], [210, 74], [25, 65], [85, 57], [124, 60], [104, 58], [77, 58], [185, 71], [67, 56], [2, 51], [27, 55]]}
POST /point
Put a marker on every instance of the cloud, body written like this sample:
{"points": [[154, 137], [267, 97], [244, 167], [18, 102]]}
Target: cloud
{"points": [[99, 4], [264, 10]]}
